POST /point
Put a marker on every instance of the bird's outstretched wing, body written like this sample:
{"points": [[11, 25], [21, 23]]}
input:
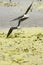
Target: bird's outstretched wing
{"points": [[23, 14], [17, 18], [28, 8], [10, 30]]}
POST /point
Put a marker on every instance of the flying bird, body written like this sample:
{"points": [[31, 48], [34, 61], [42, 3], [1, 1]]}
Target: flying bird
{"points": [[20, 18]]}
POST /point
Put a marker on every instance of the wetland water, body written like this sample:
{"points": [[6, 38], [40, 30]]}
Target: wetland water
{"points": [[9, 13]]}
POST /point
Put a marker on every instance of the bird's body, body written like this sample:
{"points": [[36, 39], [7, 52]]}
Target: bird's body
{"points": [[21, 18]]}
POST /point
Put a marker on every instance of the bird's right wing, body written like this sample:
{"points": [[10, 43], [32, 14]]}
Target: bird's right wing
{"points": [[28, 8], [10, 31], [17, 18]]}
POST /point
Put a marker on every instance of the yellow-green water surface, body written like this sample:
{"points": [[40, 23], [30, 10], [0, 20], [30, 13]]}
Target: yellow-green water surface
{"points": [[23, 47]]}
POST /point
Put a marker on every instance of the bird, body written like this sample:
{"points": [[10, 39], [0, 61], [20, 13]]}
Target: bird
{"points": [[20, 18]]}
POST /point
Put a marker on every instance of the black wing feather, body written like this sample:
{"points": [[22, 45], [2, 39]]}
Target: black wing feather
{"points": [[10, 31], [17, 18], [23, 14], [28, 8]]}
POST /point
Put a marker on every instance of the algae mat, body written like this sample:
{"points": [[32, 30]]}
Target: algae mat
{"points": [[23, 47]]}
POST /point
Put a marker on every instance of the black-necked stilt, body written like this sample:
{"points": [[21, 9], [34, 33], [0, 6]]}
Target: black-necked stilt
{"points": [[21, 18]]}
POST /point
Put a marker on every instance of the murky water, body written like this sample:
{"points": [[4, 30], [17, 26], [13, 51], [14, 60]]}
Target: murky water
{"points": [[9, 13]]}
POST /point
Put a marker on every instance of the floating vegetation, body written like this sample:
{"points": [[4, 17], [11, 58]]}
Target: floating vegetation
{"points": [[38, 5], [22, 47], [9, 4]]}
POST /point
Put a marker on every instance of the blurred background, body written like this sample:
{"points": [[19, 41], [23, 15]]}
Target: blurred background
{"points": [[10, 9]]}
